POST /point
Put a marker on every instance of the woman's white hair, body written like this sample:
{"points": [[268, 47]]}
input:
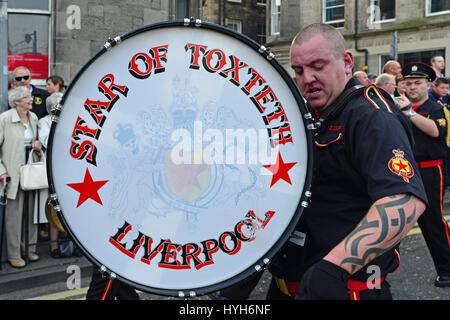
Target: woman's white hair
{"points": [[53, 100], [17, 94]]}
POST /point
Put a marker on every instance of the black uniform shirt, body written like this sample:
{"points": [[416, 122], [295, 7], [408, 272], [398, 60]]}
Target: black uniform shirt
{"points": [[361, 155], [426, 147]]}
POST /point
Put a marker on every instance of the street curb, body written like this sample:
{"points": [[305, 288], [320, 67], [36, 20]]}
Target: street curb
{"points": [[43, 275]]}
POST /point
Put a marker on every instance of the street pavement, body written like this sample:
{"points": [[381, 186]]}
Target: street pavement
{"points": [[48, 279]]}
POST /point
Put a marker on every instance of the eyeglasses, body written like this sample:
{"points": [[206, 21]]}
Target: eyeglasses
{"points": [[23, 77]]}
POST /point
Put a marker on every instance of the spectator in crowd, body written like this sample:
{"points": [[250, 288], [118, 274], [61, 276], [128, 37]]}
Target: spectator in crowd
{"points": [[438, 65], [439, 92], [392, 67], [43, 133], [401, 86], [22, 77], [372, 77], [362, 77], [11, 84], [55, 84], [18, 128], [386, 82]]}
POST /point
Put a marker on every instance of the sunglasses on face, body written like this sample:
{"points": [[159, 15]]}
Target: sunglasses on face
{"points": [[23, 77]]}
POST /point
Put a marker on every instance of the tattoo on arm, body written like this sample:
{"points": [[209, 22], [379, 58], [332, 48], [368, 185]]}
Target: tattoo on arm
{"points": [[380, 230]]}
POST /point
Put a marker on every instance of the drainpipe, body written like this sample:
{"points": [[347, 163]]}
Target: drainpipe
{"points": [[366, 52]]}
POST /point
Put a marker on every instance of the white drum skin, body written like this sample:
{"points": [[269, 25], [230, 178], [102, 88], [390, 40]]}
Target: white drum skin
{"points": [[180, 158]]}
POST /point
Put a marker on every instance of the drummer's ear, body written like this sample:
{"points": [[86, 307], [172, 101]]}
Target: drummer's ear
{"points": [[347, 57]]}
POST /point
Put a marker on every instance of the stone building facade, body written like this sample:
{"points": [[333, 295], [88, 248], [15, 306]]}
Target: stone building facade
{"points": [[422, 28], [244, 16], [64, 34], [57, 37]]}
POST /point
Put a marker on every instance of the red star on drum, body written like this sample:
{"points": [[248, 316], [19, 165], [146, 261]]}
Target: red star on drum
{"points": [[88, 189], [280, 170]]}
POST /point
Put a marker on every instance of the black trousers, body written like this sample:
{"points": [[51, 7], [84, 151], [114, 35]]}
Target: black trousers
{"points": [[434, 228], [118, 289], [381, 293]]}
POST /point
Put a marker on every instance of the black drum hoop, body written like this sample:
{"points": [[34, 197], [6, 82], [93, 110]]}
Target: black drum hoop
{"points": [[262, 262]]}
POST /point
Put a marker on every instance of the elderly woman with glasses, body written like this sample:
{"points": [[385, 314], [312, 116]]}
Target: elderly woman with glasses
{"points": [[18, 130]]}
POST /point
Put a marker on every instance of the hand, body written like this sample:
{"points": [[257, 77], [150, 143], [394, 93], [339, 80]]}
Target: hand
{"points": [[402, 102], [37, 145], [4, 179], [324, 281]]}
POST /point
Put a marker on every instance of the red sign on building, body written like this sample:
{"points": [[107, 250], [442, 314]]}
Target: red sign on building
{"points": [[37, 63]]}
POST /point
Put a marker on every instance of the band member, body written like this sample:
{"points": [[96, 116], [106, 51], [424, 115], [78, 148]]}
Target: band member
{"points": [[429, 128], [366, 193]]}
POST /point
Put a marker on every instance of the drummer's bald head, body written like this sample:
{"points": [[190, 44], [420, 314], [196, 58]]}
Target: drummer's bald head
{"points": [[334, 38]]}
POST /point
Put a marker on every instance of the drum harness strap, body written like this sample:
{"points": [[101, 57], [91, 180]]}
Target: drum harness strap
{"points": [[336, 107]]}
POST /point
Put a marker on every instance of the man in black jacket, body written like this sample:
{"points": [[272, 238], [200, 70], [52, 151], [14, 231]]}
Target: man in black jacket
{"points": [[22, 77]]}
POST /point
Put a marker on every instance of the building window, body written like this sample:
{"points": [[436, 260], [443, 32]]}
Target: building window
{"points": [[239, 1], [235, 25], [28, 37], [333, 12], [261, 35], [181, 9], [382, 11], [407, 57], [261, 2], [436, 7], [275, 13]]}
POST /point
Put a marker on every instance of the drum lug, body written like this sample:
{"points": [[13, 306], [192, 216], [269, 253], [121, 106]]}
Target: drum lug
{"points": [[112, 42], [192, 294], [102, 270], [55, 112], [195, 22], [269, 55]]}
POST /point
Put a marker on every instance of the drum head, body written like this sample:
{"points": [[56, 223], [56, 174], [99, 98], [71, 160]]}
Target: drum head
{"points": [[180, 158]]}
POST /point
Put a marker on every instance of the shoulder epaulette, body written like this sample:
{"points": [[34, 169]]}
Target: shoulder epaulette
{"points": [[377, 98]]}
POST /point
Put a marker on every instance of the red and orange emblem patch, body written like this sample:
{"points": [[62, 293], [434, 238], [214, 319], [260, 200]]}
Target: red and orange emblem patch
{"points": [[401, 166]]}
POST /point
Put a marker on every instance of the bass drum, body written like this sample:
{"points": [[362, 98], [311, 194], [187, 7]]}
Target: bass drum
{"points": [[179, 158]]}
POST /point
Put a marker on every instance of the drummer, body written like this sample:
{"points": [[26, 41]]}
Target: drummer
{"points": [[366, 192]]}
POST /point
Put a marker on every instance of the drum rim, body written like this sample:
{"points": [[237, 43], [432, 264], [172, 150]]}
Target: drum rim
{"points": [[260, 264]]}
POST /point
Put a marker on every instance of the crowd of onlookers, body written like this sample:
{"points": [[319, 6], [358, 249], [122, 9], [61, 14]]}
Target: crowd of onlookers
{"points": [[392, 82], [24, 126]]}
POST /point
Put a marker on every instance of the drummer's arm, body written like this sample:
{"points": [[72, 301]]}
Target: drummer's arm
{"points": [[388, 220]]}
